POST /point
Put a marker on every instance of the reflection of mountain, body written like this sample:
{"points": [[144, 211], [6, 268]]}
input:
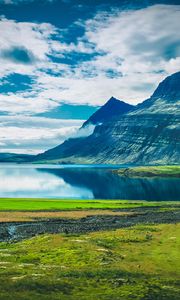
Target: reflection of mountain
{"points": [[106, 185]]}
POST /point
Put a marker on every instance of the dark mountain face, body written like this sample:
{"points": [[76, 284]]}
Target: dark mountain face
{"points": [[111, 109], [148, 134], [169, 88]]}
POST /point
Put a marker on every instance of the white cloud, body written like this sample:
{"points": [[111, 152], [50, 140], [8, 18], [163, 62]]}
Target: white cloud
{"points": [[31, 37], [16, 103], [139, 44], [84, 131], [137, 47], [30, 182], [34, 134], [142, 45]]}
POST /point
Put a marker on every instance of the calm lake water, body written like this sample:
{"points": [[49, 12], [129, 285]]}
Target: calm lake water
{"points": [[93, 182]]}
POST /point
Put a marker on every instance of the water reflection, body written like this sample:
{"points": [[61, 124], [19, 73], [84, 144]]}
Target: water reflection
{"points": [[30, 182], [84, 183]]}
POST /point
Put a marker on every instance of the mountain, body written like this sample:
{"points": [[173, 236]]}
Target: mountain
{"points": [[148, 134], [13, 157], [112, 108], [106, 113]]}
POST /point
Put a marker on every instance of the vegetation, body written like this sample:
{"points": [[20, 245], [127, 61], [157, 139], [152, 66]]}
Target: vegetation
{"points": [[140, 262], [22, 216], [31, 204], [150, 171]]}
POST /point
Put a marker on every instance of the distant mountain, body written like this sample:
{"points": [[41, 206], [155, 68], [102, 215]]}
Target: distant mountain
{"points": [[148, 134], [17, 158], [112, 108]]}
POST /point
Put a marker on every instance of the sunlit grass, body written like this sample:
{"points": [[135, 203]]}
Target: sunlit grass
{"points": [[140, 262], [69, 204]]}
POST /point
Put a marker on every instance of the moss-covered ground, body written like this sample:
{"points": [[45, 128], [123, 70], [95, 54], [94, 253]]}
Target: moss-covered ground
{"points": [[140, 262]]}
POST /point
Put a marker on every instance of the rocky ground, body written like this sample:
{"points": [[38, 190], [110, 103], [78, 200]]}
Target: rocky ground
{"points": [[15, 231]]}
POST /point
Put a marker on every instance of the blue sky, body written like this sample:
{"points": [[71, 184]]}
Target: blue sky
{"points": [[62, 59]]}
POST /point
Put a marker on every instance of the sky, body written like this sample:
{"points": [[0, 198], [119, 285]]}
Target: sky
{"points": [[62, 59]]}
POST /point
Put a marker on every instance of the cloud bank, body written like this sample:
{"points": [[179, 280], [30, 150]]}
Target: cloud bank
{"points": [[34, 135]]}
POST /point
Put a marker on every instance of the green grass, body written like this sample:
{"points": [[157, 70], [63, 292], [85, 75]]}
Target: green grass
{"points": [[140, 263], [152, 171], [61, 204]]}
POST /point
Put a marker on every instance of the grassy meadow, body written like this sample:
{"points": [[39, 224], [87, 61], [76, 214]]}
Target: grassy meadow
{"points": [[139, 262], [31, 204]]}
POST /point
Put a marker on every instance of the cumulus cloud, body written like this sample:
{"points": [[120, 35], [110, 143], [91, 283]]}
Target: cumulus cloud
{"points": [[132, 51], [142, 45], [22, 42], [124, 54]]}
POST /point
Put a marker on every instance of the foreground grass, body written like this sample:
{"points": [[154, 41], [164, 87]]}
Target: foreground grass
{"points": [[140, 262], [165, 171], [31, 204]]}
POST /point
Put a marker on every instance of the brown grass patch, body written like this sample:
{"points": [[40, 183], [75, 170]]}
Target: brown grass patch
{"points": [[18, 216]]}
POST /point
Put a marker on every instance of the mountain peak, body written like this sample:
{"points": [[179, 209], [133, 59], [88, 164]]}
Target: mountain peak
{"points": [[113, 107], [115, 101], [112, 99], [169, 88], [146, 135]]}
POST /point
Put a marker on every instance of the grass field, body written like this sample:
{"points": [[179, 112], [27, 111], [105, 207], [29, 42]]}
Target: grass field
{"points": [[141, 262], [60, 204], [165, 171]]}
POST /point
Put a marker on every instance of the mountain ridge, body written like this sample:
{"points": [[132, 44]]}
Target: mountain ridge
{"points": [[101, 116], [149, 134], [110, 109]]}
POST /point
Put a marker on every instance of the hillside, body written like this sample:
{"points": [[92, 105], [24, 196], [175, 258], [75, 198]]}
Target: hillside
{"points": [[149, 134]]}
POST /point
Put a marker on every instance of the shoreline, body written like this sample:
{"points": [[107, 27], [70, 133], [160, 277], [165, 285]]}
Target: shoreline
{"points": [[150, 171]]}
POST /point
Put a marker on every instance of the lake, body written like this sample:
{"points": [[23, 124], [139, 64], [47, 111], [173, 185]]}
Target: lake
{"points": [[83, 182]]}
